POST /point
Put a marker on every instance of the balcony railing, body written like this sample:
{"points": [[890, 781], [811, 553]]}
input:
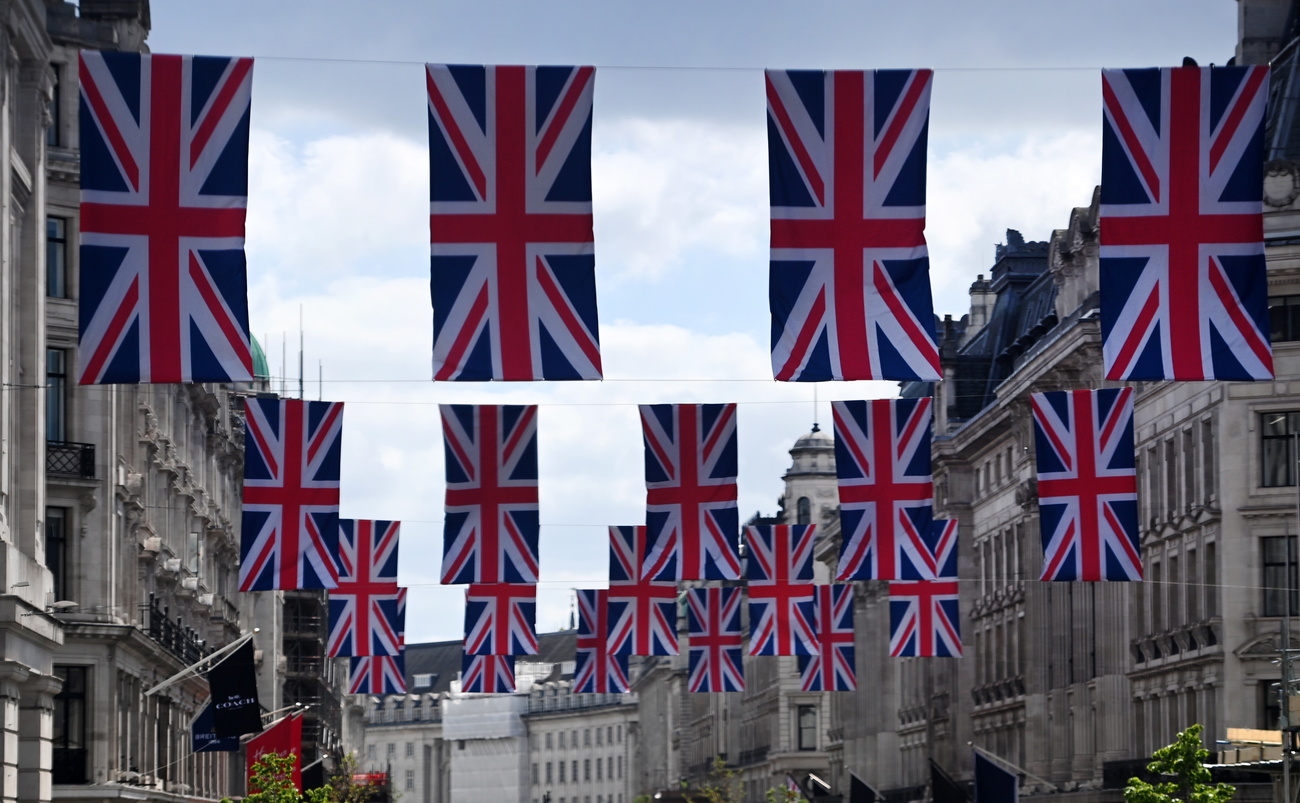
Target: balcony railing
{"points": [[68, 459], [69, 765], [181, 641]]}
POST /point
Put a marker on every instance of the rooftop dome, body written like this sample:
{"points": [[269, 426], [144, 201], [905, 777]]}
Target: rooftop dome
{"points": [[260, 368], [816, 439]]}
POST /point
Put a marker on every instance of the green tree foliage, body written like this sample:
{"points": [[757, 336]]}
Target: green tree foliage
{"points": [[1184, 761], [273, 780], [783, 794], [722, 786]]}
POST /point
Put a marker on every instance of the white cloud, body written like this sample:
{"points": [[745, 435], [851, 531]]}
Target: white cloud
{"points": [[666, 188], [978, 189]]}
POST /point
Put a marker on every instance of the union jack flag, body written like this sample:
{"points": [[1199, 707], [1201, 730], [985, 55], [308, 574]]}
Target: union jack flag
{"points": [[923, 619], [833, 668], [513, 254], [642, 611], [490, 524], [713, 619], [597, 669], [690, 476], [1087, 484], [487, 674], [290, 528], [499, 619], [164, 191], [1184, 292], [780, 553], [378, 674], [942, 543], [849, 284], [781, 619], [882, 459], [367, 609]]}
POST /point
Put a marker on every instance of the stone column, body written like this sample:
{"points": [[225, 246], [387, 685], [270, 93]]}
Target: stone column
{"points": [[35, 731], [12, 675]]}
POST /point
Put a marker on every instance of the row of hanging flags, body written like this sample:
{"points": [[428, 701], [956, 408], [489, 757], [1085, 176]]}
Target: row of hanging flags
{"points": [[164, 177], [292, 537]]}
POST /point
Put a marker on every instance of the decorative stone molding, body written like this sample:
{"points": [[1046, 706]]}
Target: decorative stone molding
{"points": [[1281, 184]]}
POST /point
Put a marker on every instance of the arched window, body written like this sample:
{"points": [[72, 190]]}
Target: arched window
{"points": [[803, 511]]}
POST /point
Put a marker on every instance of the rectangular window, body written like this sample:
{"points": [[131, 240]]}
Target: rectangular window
{"points": [[586, 769], [410, 780], [1277, 449], [1157, 586], [548, 772], [1270, 707], [1211, 582], [392, 750], [56, 394], [69, 739], [410, 749], [1284, 318], [52, 134], [562, 773], [56, 549], [1207, 459], [423, 680], [620, 761], [598, 736], [575, 769], [600, 767], [561, 739], [807, 718], [537, 775], [586, 738], [370, 752], [56, 257], [1193, 588], [548, 741], [1279, 575]]}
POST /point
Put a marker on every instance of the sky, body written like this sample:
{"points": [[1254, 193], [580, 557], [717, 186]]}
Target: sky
{"points": [[338, 232]]}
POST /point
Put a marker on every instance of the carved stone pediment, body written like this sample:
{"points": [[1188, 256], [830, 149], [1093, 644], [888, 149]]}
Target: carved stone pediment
{"points": [[1259, 648]]}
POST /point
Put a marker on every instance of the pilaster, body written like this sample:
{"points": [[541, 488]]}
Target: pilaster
{"points": [[35, 732]]}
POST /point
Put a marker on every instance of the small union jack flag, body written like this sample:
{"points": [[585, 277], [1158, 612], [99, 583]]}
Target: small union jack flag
{"points": [[832, 669], [882, 459], [1184, 290], [378, 674], [513, 254], [291, 494], [781, 619], [1087, 484], [487, 674], [490, 524], [942, 543], [923, 619], [714, 649], [850, 274], [642, 611], [597, 669], [499, 619], [164, 192], [367, 609], [691, 461], [780, 553]]}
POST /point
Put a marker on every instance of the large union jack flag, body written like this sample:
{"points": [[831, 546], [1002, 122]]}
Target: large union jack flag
{"points": [[1184, 293], [882, 459], [642, 611], [487, 674], [597, 669], [164, 191], [499, 619], [849, 282], [1087, 484], [942, 543], [714, 648], [378, 674], [290, 529], [367, 609], [833, 668], [490, 525], [923, 619], [513, 255], [780, 553], [690, 476]]}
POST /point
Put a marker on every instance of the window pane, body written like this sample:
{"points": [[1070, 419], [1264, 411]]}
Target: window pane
{"points": [[55, 394], [56, 257]]}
